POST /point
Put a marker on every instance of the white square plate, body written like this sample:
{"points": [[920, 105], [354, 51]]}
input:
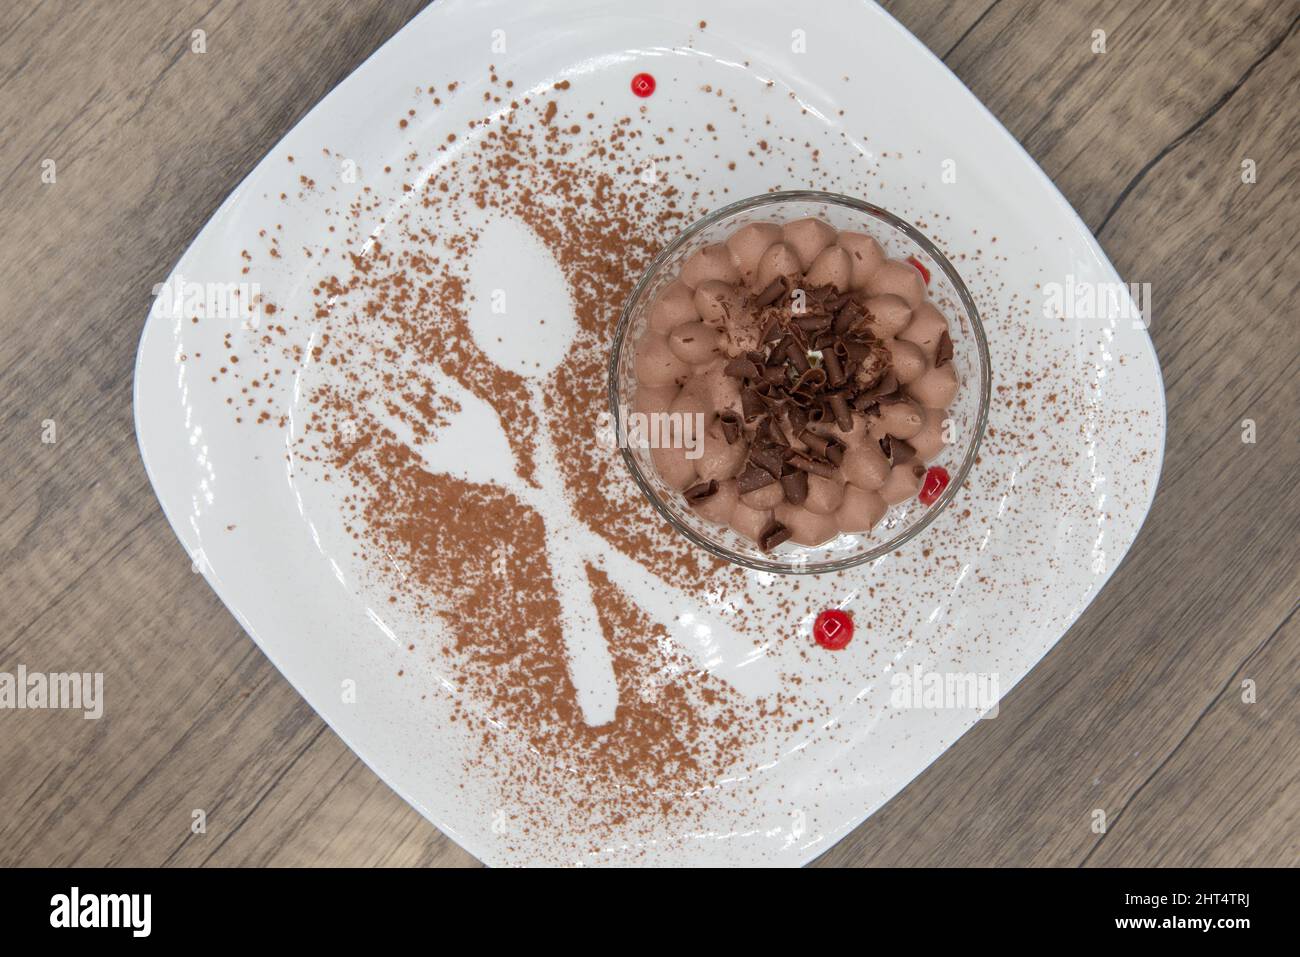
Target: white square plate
{"points": [[748, 98]]}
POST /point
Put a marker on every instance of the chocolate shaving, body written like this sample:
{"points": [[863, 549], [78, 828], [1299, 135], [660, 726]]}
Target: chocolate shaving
{"points": [[775, 289], [888, 385], [731, 426], [772, 536], [769, 458], [944, 353], [810, 382], [751, 404], [798, 417], [815, 466], [773, 398], [801, 400], [825, 446], [753, 478], [834, 369], [896, 450], [795, 485], [857, 349], [840, 408], [704, 490], [849, 316], [902, 452], [814, 441], [741, 367], [797, 356]]}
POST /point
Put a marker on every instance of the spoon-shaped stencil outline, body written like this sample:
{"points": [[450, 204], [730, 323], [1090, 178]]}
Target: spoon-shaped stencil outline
{"points": [[697, 626]]}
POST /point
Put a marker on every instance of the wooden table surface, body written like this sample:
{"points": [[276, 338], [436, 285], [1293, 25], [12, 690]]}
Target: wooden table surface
{"points": [[1172, 704]]}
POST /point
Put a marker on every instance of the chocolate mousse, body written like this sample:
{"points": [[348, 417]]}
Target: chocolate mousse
{"points": [[821, 372]]}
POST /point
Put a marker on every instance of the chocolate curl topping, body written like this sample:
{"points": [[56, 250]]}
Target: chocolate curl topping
{"points": [[795, 485], [834, 369], [902, 452], [802, 401], [817, 443], [825, 446], [804, 463], [888, 385], [824, 340], [813, 323], [772, 536], [896, 450], [770, 458], [783, 394], [797, 357], [840, 408], [774, 398], [776, 435], [753, 478], [849, 316], [811, 381], [699, 493], [798, 417], [741, 367], [774, 291], [944, 354], [731, 426], [856, 349]]}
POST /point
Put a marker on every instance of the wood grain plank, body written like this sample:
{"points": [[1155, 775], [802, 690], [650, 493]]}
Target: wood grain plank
{"points": [[334, 811], [1208, 578], [1093, 120], [98, 579], [1212, 803], [939, 25]]}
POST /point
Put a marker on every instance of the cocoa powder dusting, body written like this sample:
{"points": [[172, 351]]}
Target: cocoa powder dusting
{"points": [[460, 547]]}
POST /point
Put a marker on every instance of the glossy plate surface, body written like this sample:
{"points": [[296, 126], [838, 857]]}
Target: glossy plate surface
{"points": [[774, 748]]}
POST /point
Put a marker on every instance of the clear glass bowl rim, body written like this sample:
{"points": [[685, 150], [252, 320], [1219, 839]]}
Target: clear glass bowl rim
{"points": [[977, 331]]}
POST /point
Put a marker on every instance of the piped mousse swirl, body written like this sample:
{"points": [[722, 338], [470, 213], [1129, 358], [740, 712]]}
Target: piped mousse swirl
{"points": [[821, 372]]}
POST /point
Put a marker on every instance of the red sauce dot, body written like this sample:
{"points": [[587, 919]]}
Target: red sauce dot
{"points": [[833, 629], [936, 480], [643, 84], [920, 267]]}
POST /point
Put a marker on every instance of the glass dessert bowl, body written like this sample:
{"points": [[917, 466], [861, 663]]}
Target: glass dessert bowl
{"points": [[783, 372]]}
